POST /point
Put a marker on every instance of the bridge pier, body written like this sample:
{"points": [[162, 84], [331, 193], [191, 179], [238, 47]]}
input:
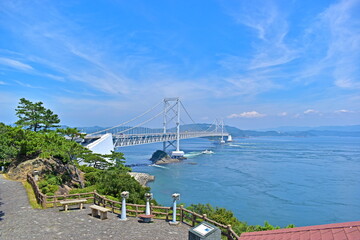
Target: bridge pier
{"points": [[177, 154]]}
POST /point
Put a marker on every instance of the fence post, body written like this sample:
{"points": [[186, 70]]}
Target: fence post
{"points": [[193, 220], [44, 200], [95, 197], [181, 213], [229, 237], [204, 217], [54, 201]]}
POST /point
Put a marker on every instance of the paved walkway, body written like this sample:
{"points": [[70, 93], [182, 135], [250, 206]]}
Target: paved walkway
{"points": [[19, 221]]}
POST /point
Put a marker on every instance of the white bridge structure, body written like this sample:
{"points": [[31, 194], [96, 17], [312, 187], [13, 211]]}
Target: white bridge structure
{"points": [[133, 132]]}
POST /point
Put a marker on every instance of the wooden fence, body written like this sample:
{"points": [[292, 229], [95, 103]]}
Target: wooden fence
{"points": [[183, 215], [40, 197]]}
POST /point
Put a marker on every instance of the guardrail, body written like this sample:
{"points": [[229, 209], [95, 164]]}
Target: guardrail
{"points": [[183, 215]]}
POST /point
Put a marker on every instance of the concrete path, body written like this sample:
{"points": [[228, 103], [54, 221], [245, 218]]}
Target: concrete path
{"points": [[19, 221]]}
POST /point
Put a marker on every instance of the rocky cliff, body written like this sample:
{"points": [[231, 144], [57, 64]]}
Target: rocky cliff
{"points": [[42, 167], [142, 178]]}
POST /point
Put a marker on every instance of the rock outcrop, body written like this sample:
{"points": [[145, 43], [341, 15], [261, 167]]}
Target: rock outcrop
{"points": [[142, 178], [46, 166]]}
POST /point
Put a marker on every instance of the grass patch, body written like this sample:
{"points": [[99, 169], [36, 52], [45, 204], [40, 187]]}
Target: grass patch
{"points": [[31, 195]]}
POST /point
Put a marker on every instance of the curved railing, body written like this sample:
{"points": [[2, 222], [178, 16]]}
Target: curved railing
{"points": [[183, 215]]}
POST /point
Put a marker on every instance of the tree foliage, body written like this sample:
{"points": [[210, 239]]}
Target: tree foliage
{"points": [[112, 182], [7, 148], [71, 133], [117, 159], [226, 217], [20, 144], [35, 117]]}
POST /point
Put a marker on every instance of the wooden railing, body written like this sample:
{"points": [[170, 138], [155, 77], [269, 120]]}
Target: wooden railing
{"points": [[53, 201], [40, 197], [183, 215]]}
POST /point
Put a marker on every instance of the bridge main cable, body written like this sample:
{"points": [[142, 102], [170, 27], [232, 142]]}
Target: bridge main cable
{"points": [[104, 130]]}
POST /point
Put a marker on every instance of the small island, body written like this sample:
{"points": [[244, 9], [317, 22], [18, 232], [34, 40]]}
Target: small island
{"points": [[160, 157]]}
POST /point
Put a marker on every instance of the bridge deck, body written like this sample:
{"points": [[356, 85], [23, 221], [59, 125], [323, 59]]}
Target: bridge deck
{"points": [[138, 139]]}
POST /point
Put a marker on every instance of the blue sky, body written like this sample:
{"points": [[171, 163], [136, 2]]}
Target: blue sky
{"points": [[256, 64]]}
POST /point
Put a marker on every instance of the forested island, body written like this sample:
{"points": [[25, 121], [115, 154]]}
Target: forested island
{"points": [[37, 145]]}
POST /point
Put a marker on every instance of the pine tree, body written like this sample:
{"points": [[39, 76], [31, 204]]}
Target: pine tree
{"points": [[35, 117]]}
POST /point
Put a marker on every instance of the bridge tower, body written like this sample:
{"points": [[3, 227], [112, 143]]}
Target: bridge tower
{"points": [[220, 124], [171, 113]]}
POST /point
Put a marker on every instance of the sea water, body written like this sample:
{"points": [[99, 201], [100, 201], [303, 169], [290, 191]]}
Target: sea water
{"points": [[284, 180]]}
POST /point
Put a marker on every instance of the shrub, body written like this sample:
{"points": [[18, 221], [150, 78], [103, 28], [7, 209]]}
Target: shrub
{"points": [[92, 177], [224, 216], [53, 180], [113, 182], [83, 190]]}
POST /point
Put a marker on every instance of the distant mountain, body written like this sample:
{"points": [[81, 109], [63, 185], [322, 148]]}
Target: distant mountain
{"points": [[343, 131], [335, 133], [236, 132], [350, 128], [90, 129]]}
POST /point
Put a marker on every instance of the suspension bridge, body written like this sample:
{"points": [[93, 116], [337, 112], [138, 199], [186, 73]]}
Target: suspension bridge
{"points": [[136, 131]]}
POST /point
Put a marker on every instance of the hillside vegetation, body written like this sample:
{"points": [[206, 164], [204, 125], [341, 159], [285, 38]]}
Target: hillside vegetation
{"points": [[37, 146]]}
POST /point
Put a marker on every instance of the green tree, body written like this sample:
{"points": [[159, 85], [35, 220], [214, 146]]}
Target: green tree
{"points": [[35, 117], [96, 160], [112, 182], [71, 133], [8, 151], [117, 159]]}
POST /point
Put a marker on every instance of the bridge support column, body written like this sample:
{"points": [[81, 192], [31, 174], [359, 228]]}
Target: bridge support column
{"points": [[174, 110], [177, 153]]}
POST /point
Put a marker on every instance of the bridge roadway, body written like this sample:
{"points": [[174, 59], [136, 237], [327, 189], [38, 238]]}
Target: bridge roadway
{"points": [[123, 140]]}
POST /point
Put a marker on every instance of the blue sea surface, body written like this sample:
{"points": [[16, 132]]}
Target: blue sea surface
{"points": [[284, 180]]}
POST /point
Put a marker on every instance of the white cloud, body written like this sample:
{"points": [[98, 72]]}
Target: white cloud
{"points": [[271, 26], [15, 64], [2, 83], [252, 114], [248, 85], [27, 85], [344, 111], [347, 83], [342, 22], [311, 111], [283, 114]]}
